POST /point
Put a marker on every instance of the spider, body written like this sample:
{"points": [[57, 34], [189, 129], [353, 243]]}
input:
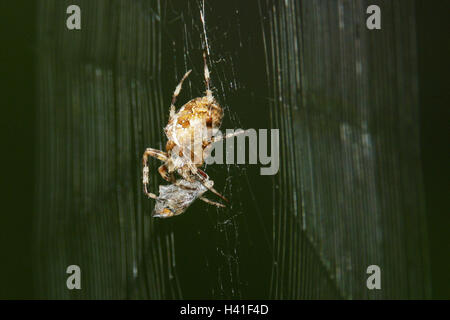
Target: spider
{"points": [[185, 153]]}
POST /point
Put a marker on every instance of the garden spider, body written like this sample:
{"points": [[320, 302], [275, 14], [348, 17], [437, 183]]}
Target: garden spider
{"points": [[190, 137]]}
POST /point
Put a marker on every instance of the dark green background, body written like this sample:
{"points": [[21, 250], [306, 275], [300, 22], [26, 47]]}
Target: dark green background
{"points": [[17, 60]]}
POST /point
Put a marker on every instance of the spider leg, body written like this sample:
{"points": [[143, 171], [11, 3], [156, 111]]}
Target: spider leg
{"points": [[204, 178], [215, 192], [230, 135], [217, 204], [164, 172], [160, 155], [207, 78], [176, 93]]}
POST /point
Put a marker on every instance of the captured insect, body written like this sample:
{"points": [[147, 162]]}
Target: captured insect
{"points": [[190, 133]]}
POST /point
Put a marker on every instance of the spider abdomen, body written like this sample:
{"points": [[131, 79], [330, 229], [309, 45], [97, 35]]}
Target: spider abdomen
{"points": [[192, 127]]}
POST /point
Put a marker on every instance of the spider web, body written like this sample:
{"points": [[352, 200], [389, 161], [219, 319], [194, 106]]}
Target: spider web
{"points": [[212, 242], [348, 191]]}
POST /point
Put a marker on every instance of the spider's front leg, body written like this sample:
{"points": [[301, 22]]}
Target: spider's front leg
{"points": [[176, 93], [160, 155], [207, 78], [227, 136]]}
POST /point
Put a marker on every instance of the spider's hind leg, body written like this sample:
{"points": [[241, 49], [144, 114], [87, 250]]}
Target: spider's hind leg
{"points": [[160, 155], [217, 193], [217, 204], [204, 179]]}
